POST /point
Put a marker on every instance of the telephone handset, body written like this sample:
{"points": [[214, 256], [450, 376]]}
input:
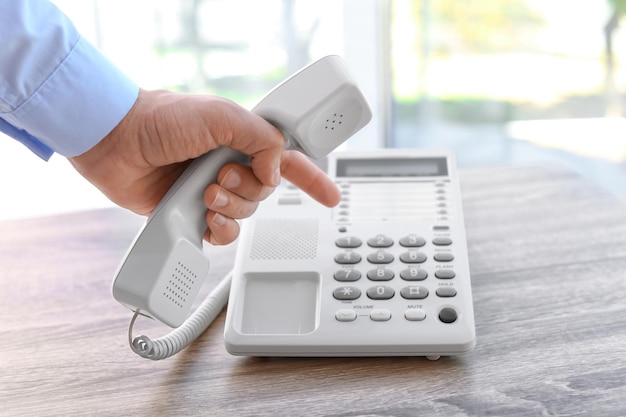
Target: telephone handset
{"points": [[316, 109]]}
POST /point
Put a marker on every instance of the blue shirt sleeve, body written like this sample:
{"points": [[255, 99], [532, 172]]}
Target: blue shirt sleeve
{"points": [[58, 93]]}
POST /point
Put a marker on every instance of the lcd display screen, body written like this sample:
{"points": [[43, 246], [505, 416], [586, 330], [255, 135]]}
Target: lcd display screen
{"points": [[392, 167]]}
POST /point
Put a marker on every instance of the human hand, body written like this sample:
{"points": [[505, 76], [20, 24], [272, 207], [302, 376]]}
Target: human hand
{"points": [[140, 159]]}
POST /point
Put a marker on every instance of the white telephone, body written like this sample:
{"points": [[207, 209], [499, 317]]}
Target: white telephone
{"points": [[384, 273], [316, 109]]}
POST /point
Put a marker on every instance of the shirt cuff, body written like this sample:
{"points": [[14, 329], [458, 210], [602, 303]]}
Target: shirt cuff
{"points": [[81, 102]]}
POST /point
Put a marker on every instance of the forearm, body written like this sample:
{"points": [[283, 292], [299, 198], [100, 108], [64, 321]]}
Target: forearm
{"points": [[56, 88]]}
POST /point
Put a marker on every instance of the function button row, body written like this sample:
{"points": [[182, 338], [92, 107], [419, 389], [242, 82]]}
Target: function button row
{"points": [[383, 292], [375, 315], [384, 274], [446, 315]]}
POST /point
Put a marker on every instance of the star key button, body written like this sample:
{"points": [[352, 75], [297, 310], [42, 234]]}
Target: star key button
{"points": [[347, 293]]}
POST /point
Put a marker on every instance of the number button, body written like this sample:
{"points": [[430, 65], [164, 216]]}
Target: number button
{"points": [[413, 257], [348, 258], [348, 242], [413, 274], [380, 241], [412, 241], [345, 275], [380, 274], [380, 257], [380, 292]]}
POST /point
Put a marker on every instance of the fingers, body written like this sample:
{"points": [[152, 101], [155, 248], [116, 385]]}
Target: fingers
{"points": [[254, 136], [222, 230], [239, 191], [235, 196], [304, 174]]}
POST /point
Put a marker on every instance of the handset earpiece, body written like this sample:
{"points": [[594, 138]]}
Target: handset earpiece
{"points": [[317, 109]]}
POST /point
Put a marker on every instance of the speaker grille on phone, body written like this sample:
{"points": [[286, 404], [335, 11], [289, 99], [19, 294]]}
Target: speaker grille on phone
{"points": [[180, 284], [276, 239]]}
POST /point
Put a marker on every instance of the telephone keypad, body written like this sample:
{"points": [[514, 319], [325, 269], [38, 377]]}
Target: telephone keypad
{"points": [[416, 269]]}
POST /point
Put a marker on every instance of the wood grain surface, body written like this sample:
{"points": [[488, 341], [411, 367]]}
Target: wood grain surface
{"points": [[548, 259]]}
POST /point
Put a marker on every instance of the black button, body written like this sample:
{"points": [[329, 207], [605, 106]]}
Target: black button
{"points": [[448, 315]]}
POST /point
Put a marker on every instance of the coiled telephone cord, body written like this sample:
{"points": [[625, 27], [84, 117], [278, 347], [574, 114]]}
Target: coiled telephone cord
{"points": [[172, 343]]}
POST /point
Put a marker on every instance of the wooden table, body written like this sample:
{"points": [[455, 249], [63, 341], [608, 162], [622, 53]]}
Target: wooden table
{"points": [[548, 258]]}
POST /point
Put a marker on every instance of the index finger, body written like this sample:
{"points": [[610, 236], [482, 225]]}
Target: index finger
{"points": [[304, 174]]}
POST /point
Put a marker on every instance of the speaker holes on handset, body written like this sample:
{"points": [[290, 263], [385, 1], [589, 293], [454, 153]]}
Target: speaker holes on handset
{"points": [[333, 121], [180, 284]]}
